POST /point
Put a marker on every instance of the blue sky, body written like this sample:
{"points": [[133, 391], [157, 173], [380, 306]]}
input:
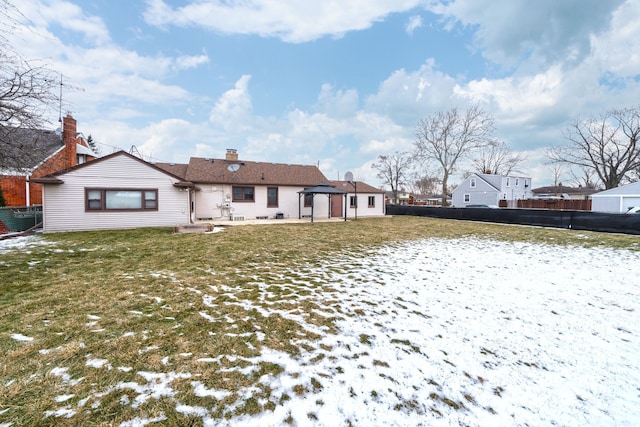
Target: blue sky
{"points": [[332, 83]]}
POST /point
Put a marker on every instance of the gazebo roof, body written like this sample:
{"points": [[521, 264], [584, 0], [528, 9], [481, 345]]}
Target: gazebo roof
{"points": [[322, 188]]}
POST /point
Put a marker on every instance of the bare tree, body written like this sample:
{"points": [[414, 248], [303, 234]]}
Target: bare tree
{"points": [[607, 145], [557, 170], [448, 136], [394, 170], [586, 179], [425, 184], [497, 158], [26, 94]]}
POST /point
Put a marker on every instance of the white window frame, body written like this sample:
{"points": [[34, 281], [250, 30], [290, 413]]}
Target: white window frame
{"points": [[472, 183], [467, 198]]}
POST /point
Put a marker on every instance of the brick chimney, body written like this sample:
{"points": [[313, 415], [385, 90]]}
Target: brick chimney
{"points": [[232, 154], [69, 137]]}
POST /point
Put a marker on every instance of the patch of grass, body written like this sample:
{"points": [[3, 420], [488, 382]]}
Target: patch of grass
{"points": [[105, 308]]}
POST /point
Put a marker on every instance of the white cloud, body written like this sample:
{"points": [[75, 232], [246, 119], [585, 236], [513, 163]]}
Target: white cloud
{"points": [[233, 108], [618, 50], [337, 102], [407, 96], [291, 21], [517, 100], [65, 14], [413, 24], [544, 32], [186, 62]]}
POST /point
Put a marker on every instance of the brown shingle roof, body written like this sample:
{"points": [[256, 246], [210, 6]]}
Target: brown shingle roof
{"points": [[564, 189], [216, 171], [362, 187], [177, 169]]}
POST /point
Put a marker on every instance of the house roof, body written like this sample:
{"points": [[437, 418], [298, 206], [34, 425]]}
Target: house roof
{"points": [[25, 149], [632, 189], [221, 171], [81, 149], [362, 187], [177, 169], [560, 189], [54, 178]]}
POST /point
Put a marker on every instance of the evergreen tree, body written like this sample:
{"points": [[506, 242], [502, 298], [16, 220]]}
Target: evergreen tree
{"points": [[92, 144]]}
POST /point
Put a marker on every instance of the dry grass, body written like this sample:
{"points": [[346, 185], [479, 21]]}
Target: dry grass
{"points": [[134, 299]]}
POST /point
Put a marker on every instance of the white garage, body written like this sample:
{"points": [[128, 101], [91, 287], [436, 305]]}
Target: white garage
{"points": [[618, 200]]}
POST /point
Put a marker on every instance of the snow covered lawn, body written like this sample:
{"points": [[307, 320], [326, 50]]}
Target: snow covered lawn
{"points": [[430, 332]]}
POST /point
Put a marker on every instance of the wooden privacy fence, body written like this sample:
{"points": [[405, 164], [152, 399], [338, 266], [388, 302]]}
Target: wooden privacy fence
{"points": [[555, 204]]}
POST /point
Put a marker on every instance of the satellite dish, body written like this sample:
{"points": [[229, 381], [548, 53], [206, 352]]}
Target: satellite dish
{"points": [[348, 176], [233, 167]]}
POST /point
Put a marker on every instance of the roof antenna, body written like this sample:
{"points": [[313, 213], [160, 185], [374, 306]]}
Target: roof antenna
{"points": [[60, 98]]}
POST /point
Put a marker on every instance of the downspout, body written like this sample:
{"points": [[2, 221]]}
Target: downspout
{"points": [[345, 206], [27, 192]]}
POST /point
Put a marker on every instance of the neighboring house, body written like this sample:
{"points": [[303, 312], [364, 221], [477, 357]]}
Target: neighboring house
{"points": [[489, 189], [56, 150], [619, 199], [363, 200], [115, 191], [563, 192], [427, 200], [403, 198]]}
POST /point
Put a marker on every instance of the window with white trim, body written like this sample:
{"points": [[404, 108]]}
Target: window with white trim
{"points": [[472, 183], [372, 201], [467, 198]]}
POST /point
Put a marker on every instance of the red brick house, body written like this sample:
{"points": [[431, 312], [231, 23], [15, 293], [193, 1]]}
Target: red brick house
{"points": [[55, 151]]}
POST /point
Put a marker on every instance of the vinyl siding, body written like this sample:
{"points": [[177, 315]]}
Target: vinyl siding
{"points": [[363, 205], [210, 198], [490, 189], [64, 204]]}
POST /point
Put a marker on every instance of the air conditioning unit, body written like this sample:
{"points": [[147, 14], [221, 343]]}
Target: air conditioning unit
{"points": [[237, 218]]}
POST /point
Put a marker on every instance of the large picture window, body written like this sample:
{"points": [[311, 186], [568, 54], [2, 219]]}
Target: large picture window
{"points": [[243, 194], [105, 199]]}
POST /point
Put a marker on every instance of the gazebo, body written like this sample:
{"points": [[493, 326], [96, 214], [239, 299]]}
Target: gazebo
{"points": [[321, 189]]}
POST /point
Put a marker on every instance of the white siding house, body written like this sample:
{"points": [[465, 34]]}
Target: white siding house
{"points": [[123, 191], [488, 189], [363, 200], [116, 191], [234, 189], [617, 200]]}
